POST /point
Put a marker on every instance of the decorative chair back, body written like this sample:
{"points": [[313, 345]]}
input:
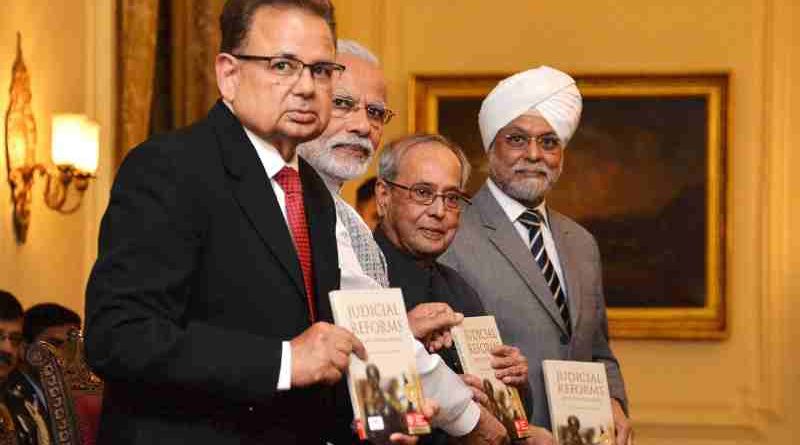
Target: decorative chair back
{"points": [[7, 432], [72, 392]]}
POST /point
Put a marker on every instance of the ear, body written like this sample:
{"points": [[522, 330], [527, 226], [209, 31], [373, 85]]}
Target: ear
{"points": [[228, 72], [381, 198]]}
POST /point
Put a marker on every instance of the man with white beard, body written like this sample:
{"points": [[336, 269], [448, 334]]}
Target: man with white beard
{"points": [[535, 269], [343, 152]]}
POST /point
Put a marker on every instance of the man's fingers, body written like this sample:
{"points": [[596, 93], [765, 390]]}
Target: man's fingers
{"points": [[429, 317], [623, 433], [357, 347], [403, 439], [435, 343], [447, 339], [503, 350], [504, 362], [340, 360], [331, 376], [471, 380], [514, 381], [512, 371], [429, 408], [479, 396]]}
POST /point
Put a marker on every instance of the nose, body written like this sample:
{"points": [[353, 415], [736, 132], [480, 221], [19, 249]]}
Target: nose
{"points": [[305, 84], [437, 208], [358, 122], [6, 345], [533, 153]]}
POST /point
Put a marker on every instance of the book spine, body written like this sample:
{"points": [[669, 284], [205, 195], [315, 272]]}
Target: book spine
{"points": [[460, 340], [339, 320], [548, 382]]}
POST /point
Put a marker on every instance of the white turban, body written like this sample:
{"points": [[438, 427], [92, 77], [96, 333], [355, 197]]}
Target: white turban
{"points": [[548, 91]]}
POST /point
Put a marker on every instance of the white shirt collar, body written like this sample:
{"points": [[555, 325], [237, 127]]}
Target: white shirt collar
{"points": [[511, 206], [270, 157]]}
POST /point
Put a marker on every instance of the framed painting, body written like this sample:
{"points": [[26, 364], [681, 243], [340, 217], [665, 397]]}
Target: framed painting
{"points": [[645, 173]]}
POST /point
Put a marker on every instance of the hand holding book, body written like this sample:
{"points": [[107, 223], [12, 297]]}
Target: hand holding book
{"points": [[321, 354], [429, 410], [511, 367], [430, 323], [493, 366]]}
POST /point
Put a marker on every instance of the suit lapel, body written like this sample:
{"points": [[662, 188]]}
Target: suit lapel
{"points": [[569, 265], [321, 217], [253, 191], [502, 233]]}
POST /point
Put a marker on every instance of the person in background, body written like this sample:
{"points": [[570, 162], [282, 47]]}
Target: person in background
{"points": [[21, 394], [49, 322], [365, 202]]}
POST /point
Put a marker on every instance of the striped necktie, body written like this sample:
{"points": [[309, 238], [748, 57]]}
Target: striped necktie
{"points": [[533, 220]]}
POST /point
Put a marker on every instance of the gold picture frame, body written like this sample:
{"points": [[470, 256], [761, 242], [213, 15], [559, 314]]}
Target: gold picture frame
{"points": [[646, 173]]}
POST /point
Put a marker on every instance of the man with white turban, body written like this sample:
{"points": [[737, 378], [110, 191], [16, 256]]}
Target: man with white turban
{"points": [[535, 269]]}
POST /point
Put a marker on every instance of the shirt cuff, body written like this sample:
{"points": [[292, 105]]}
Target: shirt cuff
{"points": [[458, 413], [465, 423], [285, 376]]}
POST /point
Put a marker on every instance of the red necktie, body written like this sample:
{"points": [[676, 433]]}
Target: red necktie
{"points": [[289, 180]]}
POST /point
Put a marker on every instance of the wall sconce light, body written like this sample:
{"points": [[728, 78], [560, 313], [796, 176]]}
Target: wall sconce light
{"points": [[75, 150]]}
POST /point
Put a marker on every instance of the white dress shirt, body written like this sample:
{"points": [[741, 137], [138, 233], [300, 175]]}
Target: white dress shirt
{"points": [[273, 162], [514, 209]]}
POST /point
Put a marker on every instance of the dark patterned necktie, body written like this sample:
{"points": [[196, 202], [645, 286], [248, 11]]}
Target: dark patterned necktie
{"points": [[289, 180], [532, 219]]}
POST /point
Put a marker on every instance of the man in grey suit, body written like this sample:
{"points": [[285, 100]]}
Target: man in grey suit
{"points": [[535, 269]]}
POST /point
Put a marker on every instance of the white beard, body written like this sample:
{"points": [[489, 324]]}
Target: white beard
{"points": [[526, 190], [323, 156]]}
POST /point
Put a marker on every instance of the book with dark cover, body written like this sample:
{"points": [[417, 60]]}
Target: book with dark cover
{"points": [[474, 338], [580, 402], [385, 391]]}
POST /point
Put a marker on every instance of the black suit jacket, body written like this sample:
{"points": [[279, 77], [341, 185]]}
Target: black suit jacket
{"points": [[196, 285]]}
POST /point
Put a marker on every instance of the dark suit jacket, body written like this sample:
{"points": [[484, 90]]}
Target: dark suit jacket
{"points": [[196, 284], [491, 256], [435, 283]]}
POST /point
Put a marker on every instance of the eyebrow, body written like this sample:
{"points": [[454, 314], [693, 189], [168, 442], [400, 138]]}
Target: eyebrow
{"points": [[294, 56], [522, 130], [432, 185], [341, 94]]}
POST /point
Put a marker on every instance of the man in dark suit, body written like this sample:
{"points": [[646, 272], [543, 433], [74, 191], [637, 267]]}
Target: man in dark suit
{"points": [[536, 270], [207, 309], [420, 198]]}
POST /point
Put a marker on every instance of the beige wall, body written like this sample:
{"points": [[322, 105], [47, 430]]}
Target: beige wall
{"points": [[738, 391], [733, 391], [68, 49]]}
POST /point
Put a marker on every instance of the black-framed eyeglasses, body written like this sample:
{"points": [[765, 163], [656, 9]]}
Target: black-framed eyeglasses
{"points": [[14, 337], [291, 68], [424, 194], [377, 114], [520, 140]]}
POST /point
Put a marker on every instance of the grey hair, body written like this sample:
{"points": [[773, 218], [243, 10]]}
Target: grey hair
{"points": [[345, 46], [394, 151]]}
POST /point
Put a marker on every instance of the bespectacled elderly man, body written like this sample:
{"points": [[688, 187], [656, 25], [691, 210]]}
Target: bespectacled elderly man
{"points": [[343, 152], [207, 311], [537, 270]]}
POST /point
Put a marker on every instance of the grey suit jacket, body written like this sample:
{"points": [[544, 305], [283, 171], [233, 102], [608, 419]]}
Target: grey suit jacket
{"points": [[493, 259]]}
